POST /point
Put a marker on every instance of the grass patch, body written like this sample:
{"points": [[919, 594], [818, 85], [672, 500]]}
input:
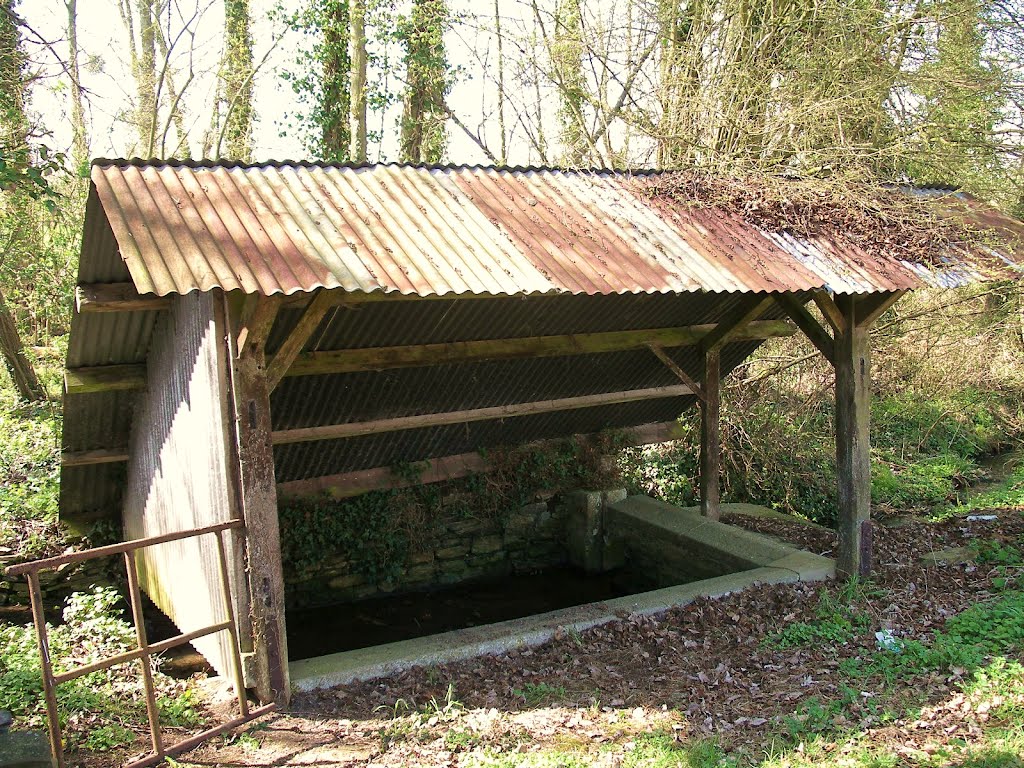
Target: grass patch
{"points": [[93, 708], [29, 478]]}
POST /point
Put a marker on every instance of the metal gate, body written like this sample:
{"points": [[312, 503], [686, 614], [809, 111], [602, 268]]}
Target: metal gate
{"points": [[144, 650]]}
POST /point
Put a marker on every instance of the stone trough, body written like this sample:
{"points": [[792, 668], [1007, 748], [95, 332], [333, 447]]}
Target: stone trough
{"points": [[603, 532]]}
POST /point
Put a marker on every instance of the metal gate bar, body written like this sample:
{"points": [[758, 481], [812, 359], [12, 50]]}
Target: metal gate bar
{"points": [[145, 650]]}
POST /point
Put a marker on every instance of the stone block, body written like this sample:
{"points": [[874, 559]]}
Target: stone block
{"points": [[486, 544], [614, 496], [417, 558], [467, 526], [420, 572], [461, 549], [25, 749], [347, 581], [585, 529]]}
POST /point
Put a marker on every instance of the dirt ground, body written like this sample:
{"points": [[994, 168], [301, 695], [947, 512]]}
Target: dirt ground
{"points": [[702, 671]]}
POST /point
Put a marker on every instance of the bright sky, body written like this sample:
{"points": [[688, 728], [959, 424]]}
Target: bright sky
{"points": [[106, 75]]}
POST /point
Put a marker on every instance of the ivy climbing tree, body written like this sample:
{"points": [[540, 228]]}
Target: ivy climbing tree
{"points": [[424, 112]]}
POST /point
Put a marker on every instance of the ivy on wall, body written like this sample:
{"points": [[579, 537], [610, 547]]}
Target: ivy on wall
{"points": [[376, 532]]}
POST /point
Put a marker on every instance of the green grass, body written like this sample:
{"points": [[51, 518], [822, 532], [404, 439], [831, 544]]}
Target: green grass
{"points": [[94, 708], [1008, 493], [29, 477], [658, 749]]}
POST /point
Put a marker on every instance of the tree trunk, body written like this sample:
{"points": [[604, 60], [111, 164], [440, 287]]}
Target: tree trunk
{"points": [[334, 106], [424, 113], [17, 363], [357, 87], [237, 82], [79, 140]]}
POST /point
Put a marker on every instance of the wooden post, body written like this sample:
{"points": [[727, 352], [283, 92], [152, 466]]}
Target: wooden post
{"points": [[258, 501], [710, 443], [853, 451]]}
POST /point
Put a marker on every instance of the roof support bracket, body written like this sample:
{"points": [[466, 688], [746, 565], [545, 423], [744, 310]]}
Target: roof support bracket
{"points": [[805, 322], [870, 308], [289, 350], [830, 311], [748, 310], [258, 315], [679, 372]]}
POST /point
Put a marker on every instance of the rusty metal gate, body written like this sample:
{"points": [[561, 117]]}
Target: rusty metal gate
{"points": [[144, 650]]}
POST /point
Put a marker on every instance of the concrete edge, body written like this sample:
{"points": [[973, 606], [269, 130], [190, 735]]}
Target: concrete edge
{"points": [[494, 639]]}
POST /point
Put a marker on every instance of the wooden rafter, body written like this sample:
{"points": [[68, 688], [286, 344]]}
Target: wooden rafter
{"points": [[89, 458], [290, 348], [258, 315], [805, 322], [104, 378], [96, 379], [679, 372], [830, 311], [116, 297], [870, 308], [377, 426], [437, 470], [731, 326]]}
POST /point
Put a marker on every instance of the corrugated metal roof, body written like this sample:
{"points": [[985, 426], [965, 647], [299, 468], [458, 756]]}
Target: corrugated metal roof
{"points": [[285, 228]]}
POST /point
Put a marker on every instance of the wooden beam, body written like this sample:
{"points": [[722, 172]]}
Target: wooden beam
{"points": [[805, 322], [101, 378], [730, 326], [388, 358], [357, 429], [257, 319], [257, 500], [105, 378], [89, 458], [679, 372], [116, 297], [853, 448], [870, 308], [437, 470], [710, 440], [297, 339], [830, 311]]}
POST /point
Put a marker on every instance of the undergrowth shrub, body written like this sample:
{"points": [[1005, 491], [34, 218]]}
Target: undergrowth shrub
{"points": [[948, 390], [377, 531], [95, 708], [29, 477]]}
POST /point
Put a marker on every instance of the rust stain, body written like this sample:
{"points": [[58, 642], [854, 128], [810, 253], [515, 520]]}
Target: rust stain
{"points": [[283, 228]]}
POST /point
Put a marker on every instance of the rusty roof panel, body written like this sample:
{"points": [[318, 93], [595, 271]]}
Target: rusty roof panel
{"points": [[284, 228]]}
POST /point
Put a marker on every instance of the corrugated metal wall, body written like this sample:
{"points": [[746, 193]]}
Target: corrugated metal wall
{"points": [[180, 473]]}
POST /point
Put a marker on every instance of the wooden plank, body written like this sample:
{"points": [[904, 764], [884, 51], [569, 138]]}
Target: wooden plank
{"points": [[870, 308], [258, 318], [105, 378], [853, 448], [257, 495], [729, 327], [88, 458], [353, 483], [387, 358], [710, 440], [378, 426], [298, 337], [805, 322], [116, 297], [679, 372], [830, 311]]}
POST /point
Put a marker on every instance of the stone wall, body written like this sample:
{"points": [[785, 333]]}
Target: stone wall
{"points": [[56, 586], [466, 549]]}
